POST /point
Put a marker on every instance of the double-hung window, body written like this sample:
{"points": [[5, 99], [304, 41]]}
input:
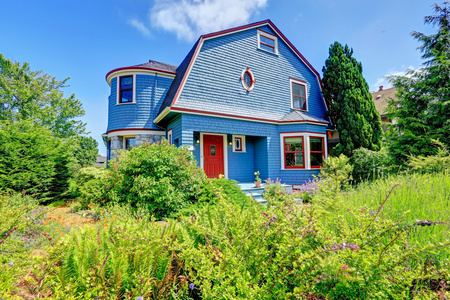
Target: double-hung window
{"points": [[126, 89], [298, 94], [317, 151]]}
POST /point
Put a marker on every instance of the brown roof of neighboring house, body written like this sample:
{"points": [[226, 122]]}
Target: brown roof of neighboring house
{"points": [[381, 99]]}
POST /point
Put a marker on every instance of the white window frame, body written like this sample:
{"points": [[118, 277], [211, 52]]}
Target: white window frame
{"points": [[124, 142], [169, 136], [243, 143], [306, 136], [118, 88], [269, 36], [300, 82]]}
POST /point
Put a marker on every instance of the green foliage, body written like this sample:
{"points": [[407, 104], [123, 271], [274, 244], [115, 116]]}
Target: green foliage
{"points": [[36, 96], [424, 196], [287, 251], [34, 161], [88, 185], [335, 176], [208, 196], [431, 164], [422, 112], [126, 260], [351, 108], [160, 176], [369, 165], [275, 192], [85, 149]]}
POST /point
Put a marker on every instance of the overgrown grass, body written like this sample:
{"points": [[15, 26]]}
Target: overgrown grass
{"points": [[426, 198]]}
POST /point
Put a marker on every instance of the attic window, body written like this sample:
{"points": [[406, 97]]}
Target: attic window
{"points": [[247, 79], [267, 42]]}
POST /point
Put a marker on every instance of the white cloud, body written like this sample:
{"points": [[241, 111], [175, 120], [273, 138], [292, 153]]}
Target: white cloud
{"points": [[139, 26], [189, 19], [384, 81]]}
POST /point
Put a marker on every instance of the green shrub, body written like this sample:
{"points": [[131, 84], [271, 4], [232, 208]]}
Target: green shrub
{"points": [[289, 251], [160, 176], [88, 185], [34, 161], [208, 195], [369, 165], [431, 164]]}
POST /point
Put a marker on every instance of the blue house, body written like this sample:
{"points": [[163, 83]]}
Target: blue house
{"points": [[243, 100]]}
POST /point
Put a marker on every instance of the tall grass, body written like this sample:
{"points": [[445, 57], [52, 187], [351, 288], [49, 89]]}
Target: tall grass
{"points": [[423, 196]]}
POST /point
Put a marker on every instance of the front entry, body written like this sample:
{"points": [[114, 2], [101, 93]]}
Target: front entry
{"points": [[213, 155]]}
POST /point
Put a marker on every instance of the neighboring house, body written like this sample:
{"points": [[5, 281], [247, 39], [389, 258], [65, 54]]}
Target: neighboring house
{"points": [[100, 161], [243, 100], [381, 99]]}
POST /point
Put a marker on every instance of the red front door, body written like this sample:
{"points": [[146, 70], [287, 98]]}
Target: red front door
{"points": [[213, 155]]}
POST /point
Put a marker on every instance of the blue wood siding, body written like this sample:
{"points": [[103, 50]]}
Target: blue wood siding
{"points": [[150, 93], [263, 142], [214, 82]]}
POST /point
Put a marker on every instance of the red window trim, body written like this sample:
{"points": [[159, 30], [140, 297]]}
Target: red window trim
{"points": [[323, 150], [292, 96], [240, 143], [303, 152], [122, 90]]}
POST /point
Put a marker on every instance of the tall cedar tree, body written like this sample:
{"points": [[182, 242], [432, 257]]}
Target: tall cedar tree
{"points": [[422, 112], [351, 110]]}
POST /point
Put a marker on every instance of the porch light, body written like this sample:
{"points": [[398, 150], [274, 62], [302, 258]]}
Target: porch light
{"points": [[198, 141], [230, 143]]}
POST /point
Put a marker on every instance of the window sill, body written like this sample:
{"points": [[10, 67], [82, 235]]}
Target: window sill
{"points": [[276, 54], [294, 108], [125, 103]]}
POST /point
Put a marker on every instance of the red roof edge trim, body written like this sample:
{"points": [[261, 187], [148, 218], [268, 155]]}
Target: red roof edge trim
{"points": [[133, 129], [138, 68]]}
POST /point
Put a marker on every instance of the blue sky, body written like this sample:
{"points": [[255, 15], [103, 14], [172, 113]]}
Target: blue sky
{"points": [[86, 39]]}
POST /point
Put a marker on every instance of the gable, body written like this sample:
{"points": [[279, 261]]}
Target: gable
{"points": [[212, 83]]}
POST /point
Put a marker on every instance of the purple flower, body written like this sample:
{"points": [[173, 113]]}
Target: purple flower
{"points": [[140, 298], [191, 286], [10, 263]]}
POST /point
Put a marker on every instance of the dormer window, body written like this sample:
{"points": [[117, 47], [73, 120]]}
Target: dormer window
{"points": [[126, 89], [267, 42], [298, 94]]}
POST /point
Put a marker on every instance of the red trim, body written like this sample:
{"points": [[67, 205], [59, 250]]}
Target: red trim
{"points": [[303, 152], [133, 129], [240, 143], [123, 90], [223, 32], [240, 117], [299, 96], [138, 68], [298, 80], [323, 151], [301, 132], [330, 134], [268, 33]]}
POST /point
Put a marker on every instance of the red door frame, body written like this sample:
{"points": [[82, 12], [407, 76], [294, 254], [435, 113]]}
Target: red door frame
{"points": [[214, 165]]}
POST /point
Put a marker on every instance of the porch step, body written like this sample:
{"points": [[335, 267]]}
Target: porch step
{"points": [[250, 190]]}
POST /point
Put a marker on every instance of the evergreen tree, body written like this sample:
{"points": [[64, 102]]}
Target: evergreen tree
{"points": [[351, 110], [422, 112]]}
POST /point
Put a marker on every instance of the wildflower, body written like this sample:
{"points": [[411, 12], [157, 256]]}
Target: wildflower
{"points": [[191, 286], [45, 222], [140, 220], [10, 263], [140, 298]]}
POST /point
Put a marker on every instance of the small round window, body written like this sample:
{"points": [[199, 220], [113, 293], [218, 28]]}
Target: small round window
{"points": [[248, 80]]}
